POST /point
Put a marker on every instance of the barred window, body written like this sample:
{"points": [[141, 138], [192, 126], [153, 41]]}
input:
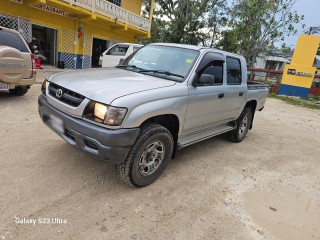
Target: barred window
{"points": [[116, 2]]}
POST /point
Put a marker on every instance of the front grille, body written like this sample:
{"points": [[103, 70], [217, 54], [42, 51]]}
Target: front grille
{"points": [[67, 96]]}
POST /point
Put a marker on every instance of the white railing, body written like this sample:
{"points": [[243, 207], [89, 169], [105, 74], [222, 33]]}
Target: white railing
{"points": [[110, 10], [114, 12], [88, 4], [139, 22]]}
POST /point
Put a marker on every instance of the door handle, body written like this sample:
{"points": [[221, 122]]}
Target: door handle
{"points": [[221, 95], [240, 94]]}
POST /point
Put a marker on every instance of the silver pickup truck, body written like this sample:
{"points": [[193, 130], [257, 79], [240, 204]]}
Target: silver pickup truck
{"points": [[159, 99]]}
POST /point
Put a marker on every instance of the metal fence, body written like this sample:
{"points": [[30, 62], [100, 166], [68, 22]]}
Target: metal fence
{"points": [[68, 47], [22, 25], [273, 79], [87, 50]]}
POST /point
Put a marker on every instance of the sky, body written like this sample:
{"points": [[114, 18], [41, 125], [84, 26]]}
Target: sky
{"points": [[311, 11]]}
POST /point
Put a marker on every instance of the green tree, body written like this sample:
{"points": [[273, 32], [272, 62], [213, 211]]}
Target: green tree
{"points": [[229, 41], [258, 24], [185, 21], [216, 20]]}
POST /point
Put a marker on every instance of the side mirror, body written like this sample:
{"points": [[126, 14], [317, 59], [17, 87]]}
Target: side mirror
{"points": [[101, 55], [205, 79], [121, 60]]}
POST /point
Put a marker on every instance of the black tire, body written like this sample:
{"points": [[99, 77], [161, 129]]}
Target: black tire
{"points": [[19, 91], [142, 167], [243, 125]]}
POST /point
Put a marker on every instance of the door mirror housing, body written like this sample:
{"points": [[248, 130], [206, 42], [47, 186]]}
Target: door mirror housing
{"points": [[205, 80]]}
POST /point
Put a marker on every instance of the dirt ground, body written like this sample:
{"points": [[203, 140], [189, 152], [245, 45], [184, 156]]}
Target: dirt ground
{"points": [[266, 187]]}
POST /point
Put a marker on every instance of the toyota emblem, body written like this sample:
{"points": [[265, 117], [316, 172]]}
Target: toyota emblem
{"points": [[59, 93]]}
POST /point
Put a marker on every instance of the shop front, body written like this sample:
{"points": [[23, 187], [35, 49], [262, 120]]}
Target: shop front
{"points": [[72, 31]]}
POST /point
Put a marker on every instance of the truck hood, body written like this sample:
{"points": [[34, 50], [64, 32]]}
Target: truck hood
{"points": [[106, 84]]}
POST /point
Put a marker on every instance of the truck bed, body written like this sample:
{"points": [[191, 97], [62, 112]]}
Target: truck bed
{"points": [[258, 92]]}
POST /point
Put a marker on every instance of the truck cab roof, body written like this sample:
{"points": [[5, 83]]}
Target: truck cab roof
{"points": [[198, 48]]}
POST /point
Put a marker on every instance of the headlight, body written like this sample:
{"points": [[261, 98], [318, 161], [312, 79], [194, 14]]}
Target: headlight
{"points": [[115, 116], [44, 86], [101, 113], [100, 110]]}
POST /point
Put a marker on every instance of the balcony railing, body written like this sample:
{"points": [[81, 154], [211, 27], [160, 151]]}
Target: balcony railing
{"points": [[113, 11]]}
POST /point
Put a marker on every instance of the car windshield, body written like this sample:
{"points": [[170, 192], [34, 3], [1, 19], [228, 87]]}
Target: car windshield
{"points": [[162, 61]]}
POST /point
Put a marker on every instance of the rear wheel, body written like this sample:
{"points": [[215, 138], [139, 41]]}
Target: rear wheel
{"points": [[243, 125], [19, 91], [148, 157]]}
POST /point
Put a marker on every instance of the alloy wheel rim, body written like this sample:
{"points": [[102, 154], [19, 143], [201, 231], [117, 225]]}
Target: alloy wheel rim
{"points": [[151, 158], [243, 126]]}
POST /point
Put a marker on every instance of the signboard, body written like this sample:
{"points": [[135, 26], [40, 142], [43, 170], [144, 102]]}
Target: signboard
{"points": [[17, 1], [302, 74], [54, 10], [298, 75]]}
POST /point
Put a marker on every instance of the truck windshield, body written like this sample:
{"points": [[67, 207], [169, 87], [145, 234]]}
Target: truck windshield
{"points": [[162, 61]]}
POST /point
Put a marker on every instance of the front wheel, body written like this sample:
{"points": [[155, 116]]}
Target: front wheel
{"points": [[243, 125], [149, 156]]}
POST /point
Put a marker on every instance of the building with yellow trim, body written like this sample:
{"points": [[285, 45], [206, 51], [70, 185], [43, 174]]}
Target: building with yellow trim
{"points": [[75, 31]]}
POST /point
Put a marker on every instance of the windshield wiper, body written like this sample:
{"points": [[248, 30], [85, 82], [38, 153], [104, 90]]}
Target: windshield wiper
{"points": [[130, 66], [162, 72]]}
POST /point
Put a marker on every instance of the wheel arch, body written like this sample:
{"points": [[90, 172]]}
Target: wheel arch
{"points": [[169, 121], [252, 104]]}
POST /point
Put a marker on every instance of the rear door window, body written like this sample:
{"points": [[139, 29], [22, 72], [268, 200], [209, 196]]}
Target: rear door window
{"points": [[234, 74], [13, 40]]}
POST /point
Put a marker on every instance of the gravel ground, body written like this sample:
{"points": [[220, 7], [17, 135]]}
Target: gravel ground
{"points": [[266, 187]]}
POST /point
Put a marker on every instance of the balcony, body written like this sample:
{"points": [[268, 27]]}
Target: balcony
{"points": [[94, 8]]}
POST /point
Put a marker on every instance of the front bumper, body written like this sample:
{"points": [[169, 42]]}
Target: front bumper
{"points": [[109, 145]]}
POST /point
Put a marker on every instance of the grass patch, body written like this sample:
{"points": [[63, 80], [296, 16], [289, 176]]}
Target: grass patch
{"points": [[310, 102], [315, 98]]}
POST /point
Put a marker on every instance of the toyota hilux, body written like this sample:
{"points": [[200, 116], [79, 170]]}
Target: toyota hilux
{"points": [[161, 98]]}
